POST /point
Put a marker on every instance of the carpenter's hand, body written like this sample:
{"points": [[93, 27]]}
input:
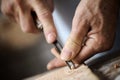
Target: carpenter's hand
{"points": [[21, 11], [94, 25]]}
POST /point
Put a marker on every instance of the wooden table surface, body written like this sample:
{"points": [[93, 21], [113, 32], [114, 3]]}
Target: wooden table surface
{"points": [[64, 73]]}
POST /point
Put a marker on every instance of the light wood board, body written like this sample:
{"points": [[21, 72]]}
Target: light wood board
{"points": [[81, 73]]}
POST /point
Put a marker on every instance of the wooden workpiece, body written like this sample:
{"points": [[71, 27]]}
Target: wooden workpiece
{"points": [[64, 73]]}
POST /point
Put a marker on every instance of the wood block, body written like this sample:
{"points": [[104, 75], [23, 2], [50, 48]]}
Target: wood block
{"points": [[81, 73]]}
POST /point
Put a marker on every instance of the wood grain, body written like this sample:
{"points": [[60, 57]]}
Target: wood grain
{"points": [[81, 73]]}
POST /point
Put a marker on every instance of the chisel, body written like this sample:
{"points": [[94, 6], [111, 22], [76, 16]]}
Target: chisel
{"points": [[57, 45]]}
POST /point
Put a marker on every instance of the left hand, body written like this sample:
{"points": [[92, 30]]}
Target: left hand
{"points": [[21, 11], [94, 20]]}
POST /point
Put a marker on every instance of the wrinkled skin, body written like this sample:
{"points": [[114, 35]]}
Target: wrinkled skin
{"points": [[93, 26], [20, 11], [93, 31]]}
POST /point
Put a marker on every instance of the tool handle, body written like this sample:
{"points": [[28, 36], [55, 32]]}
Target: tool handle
{"points": [[58, 46]]}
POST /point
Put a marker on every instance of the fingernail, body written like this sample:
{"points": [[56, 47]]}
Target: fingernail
{"points": [[51, 37], [66, 55]]}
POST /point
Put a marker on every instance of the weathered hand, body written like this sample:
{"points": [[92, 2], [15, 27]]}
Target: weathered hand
{"points": [[21, 12], [94, 25]]}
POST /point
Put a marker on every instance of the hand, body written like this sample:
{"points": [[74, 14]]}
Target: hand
{"points": [[21, 12], [93, 31]]}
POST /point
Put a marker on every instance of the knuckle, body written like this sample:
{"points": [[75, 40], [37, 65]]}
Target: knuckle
{"points": [[98, 44], [27, 29], [80, 27], [37, 0], [74, 45], [18, 2], [102, 44], [7, 9], [45, 13]]}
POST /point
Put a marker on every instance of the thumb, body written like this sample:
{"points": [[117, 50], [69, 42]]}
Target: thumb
{"points": [[74, 41]]}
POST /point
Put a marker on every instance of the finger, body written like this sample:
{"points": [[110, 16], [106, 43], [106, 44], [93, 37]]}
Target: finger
{"points": [[55, 53], [50, 5], [74, 42], [45, 16], [26, 22], [87, 51], [7, 9], [55, 63]]}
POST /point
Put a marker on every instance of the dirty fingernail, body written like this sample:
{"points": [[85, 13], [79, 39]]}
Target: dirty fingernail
{"points": [[51, 37], [66, 55]]}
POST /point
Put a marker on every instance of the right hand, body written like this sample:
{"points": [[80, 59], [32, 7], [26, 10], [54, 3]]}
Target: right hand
{"points": [[20, 11], [93, 31]]}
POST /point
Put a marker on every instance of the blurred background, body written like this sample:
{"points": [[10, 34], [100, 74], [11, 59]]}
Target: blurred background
{"points": [[21, 54]]}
